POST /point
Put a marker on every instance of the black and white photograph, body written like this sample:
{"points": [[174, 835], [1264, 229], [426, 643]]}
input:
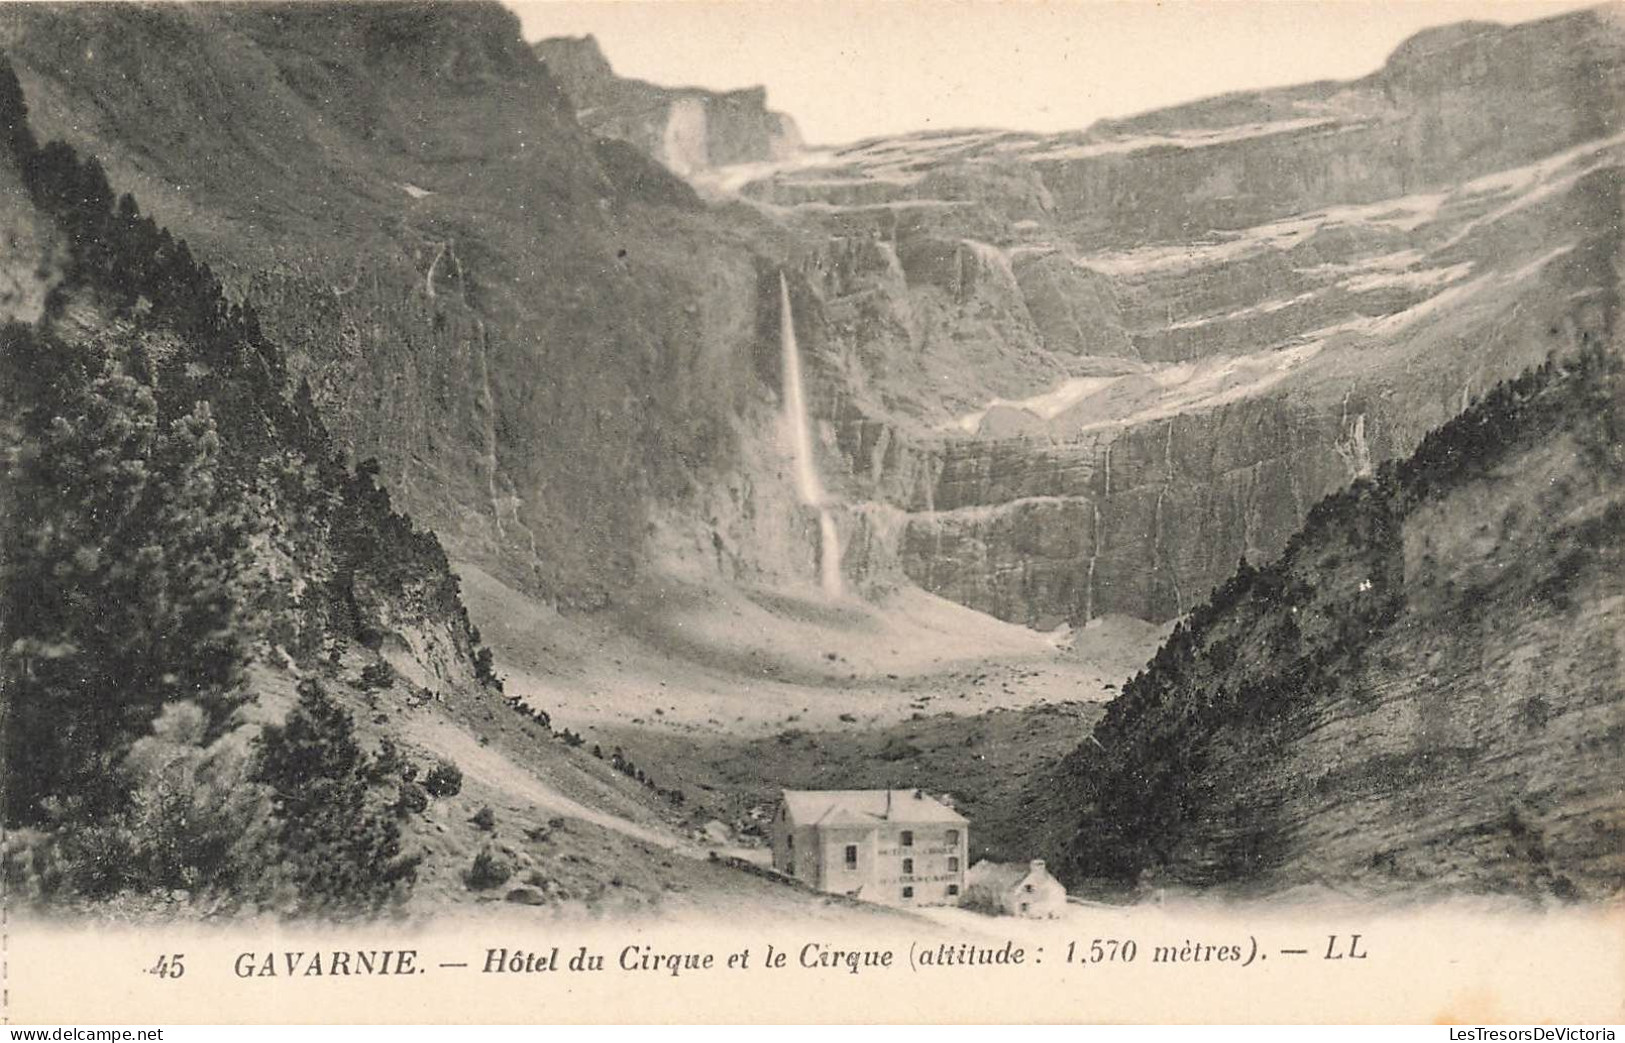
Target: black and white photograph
{"points": [[965, 497]]}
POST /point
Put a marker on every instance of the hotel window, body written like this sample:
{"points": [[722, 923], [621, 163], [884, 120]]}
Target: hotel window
{"points": [[790, 841], [953, 864], [953, 889], [851, 856], [953, 836], [908, 892], [908, 867], [791, 869], [908, 838]]}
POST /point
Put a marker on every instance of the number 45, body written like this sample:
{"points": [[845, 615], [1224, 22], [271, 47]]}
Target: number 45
{"points": [[169, 966]]}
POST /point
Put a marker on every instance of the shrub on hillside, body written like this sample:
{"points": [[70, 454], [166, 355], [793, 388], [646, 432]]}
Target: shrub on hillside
{"points": [[445, 779], [201, 822], [488, 870], [377, 674], [390, 765], [484, 664], [410, 799]]}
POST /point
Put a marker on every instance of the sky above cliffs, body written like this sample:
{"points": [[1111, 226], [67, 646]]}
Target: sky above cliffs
{"points": [[847, 70]]}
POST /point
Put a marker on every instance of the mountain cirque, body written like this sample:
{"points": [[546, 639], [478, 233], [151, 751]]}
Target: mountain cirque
{"points": [[1053, 377], [1093, 370]]}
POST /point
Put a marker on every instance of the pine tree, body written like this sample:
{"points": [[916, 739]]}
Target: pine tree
{"points": [[338, 846], [78, 564], [122, 575]]}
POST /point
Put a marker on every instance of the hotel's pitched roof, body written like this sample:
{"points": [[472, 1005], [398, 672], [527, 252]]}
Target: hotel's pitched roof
{"points": [[866, 807]]}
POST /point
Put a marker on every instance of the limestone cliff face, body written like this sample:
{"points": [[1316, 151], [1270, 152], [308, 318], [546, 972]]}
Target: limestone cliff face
{"points": [[1050, 377], [688, 129], [1450, 105], [1140, 352], [561, 361], [1136, 488], [541, 336]]}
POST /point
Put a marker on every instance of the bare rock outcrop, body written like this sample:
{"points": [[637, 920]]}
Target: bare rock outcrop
{"points": [[688, 129]]}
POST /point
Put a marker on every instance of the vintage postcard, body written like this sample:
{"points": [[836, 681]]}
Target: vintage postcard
{"points": [[545, 512]]}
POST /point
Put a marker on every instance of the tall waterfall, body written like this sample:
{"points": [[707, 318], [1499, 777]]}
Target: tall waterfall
{"points": [[808, 487]]}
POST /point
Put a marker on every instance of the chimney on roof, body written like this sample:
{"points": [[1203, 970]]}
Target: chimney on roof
{"points": [[919, 794], [1037, 865]]}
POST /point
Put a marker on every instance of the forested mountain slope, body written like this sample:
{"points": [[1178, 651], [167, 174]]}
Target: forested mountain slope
{"points": [[1423, 693], [231, 671], [545, 341]]}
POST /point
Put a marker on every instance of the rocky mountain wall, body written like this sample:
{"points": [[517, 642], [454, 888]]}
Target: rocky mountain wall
{"points": [[688, 129], [543, 338], [1242, 304], [566, 362]]}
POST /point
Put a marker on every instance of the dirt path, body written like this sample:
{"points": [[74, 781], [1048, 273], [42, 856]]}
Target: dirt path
{"points": [[490, 768]]}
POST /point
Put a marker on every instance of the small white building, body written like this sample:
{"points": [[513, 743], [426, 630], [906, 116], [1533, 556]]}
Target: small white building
{"points": [[1014, 889], [897, 847]]}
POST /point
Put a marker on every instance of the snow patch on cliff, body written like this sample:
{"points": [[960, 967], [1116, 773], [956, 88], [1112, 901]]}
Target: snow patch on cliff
{"points": [[1085, 404], [1522, 187], [1183, 139], [683, 145], [1414, 279], [731, 179], [1046, 406], [1405, 213]]}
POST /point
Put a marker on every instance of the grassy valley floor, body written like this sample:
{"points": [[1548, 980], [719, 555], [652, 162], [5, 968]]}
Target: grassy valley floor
{"points": [[729, 695]]}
